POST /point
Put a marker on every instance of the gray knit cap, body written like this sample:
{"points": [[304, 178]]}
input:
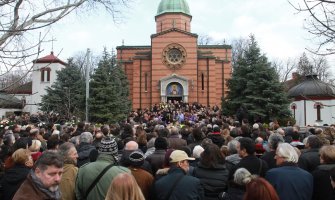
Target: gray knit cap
{"points": [[108, 145]]}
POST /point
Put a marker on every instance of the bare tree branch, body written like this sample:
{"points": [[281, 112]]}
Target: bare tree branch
{"points": [[284, 68], [320, 24], [24, 26]]}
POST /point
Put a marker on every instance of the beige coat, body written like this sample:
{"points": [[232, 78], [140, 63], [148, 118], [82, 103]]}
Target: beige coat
{"points": [[68, 182]]}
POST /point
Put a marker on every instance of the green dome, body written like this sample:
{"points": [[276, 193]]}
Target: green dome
{"points": [[173, 6]]}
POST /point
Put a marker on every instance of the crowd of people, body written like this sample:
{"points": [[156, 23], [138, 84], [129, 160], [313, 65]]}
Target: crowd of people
{"points": [[171, 151]]}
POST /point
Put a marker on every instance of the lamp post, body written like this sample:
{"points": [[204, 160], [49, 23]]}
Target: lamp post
{"points": [[87, 79]]}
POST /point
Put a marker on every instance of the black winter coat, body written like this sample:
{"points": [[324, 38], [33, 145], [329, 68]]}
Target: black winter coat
{"points": [[12, 180], [269, 158], [253, 164], [214, 180], [309, 160], [235, 192], [86, 153], [156, 160], [322, 188]]}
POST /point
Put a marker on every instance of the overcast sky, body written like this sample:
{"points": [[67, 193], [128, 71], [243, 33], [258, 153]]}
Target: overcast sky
{"points": [[277, 27]]}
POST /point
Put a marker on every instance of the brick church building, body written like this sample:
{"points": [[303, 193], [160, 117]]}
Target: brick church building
{"points": [[175, 67]]}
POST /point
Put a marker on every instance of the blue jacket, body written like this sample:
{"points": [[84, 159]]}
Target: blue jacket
{"points": [[291, 182], [188, 188]]}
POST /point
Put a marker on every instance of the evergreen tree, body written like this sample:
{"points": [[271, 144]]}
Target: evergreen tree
{"points": [[66, 96], [255, 89], [109, 91]]}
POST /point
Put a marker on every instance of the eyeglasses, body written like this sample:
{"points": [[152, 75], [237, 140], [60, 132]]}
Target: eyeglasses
{"points": [[279, 156]]}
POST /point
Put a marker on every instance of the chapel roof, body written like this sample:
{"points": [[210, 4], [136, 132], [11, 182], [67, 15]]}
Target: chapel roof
{"points": [[312, 87], [173, 6], [25, 88], [50, 59], [9, 101]]}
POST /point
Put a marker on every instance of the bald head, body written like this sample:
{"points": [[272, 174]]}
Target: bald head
{"points": [[131, 146]]}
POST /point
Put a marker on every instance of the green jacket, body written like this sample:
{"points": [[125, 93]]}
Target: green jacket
{"points": [[87, 174]]}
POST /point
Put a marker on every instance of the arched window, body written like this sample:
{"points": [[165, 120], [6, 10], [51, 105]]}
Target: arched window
{"points": [[146, 82], [318, 106], [294, 107], [45, 74], [202, 81]]}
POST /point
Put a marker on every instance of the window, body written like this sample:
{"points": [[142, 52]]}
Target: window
{"points": [[202, 81], [146, 82], [174, 56], [45, 74], [318, 112], [294, 107], [318, 106]]}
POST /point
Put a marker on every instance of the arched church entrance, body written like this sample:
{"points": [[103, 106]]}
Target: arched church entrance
{"points": [[174, 92], [174, 87]]}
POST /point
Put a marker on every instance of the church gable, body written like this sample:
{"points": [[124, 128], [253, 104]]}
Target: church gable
{"points": [[173, 30]]}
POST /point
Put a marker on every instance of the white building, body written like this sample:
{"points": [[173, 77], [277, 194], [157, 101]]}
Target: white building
{"points": [[43, 76], [313, 102]]}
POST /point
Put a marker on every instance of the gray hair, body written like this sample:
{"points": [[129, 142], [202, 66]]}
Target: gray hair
{"points": [[174, 131], [275, 139], [49, 158], [232, 146], [286, 151], [281, 131], [85, 137], [314, 142], [65, 147], [35, 145], [197, 151], [9, 138], [242, 176], [64, 151]]}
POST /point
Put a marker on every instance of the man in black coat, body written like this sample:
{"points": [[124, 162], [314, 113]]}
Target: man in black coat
{"points": [[246, 150], [176, 184], [322, 188], [269, 157], [86, 151], [309, 159]]}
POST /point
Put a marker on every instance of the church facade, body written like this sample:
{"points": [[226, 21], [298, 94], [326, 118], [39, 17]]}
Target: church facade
{"points": [[175, 67]]}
